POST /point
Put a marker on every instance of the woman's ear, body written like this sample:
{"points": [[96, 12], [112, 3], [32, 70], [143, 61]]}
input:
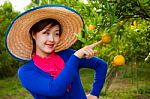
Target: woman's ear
{"points": [[33, 35]]}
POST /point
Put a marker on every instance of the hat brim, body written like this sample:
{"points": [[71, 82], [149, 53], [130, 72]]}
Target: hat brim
{"points": [[18, 40]]}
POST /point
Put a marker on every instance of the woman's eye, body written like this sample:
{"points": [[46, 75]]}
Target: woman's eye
{"points": [[46, 33], [57, 33]]}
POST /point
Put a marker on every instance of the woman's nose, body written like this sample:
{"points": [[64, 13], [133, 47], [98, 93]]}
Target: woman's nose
{"points": [[50, 38]]}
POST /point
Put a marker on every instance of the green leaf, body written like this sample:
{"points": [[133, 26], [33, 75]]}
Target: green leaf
{"points": [[79, 37]]}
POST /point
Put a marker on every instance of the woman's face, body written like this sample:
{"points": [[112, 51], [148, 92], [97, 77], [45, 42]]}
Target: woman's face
{"points": [[47, 40]]}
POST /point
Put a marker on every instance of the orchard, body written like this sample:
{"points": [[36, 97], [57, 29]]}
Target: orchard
{"points": [[122, 26]]}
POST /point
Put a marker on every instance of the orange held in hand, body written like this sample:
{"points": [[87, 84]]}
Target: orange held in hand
{"points": [[106, 38], [118, 60], [91, 27]]}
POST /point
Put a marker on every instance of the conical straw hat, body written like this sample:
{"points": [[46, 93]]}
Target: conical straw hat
{"points": [[18, 40]]}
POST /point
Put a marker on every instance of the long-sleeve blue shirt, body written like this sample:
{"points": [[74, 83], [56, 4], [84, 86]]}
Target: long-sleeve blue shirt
{"points": [[42, 85]]}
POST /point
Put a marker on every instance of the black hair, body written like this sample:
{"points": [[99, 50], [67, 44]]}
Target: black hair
{"points": [[39, 26]]}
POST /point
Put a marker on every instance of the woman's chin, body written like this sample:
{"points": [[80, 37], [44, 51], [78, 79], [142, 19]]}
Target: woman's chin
{"points": [[50, 51]]}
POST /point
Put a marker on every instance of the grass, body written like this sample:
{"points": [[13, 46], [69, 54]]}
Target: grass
{"points": [[122, 87], [10, 88], [87, 78]]}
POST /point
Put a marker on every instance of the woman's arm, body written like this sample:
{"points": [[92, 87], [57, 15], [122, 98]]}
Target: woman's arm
{"points": [[95, 63], [37, 83], [100, 68]]}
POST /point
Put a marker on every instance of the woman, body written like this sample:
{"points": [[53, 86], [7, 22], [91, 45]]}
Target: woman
{"points": [[42, 36]]}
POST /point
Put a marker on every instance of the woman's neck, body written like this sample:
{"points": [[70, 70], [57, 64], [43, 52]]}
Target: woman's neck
{"points": [[43, 55]]}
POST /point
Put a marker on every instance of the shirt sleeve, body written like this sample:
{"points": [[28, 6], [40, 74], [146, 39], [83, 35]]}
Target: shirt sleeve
{"points": [[37, 83], [100, 67]]}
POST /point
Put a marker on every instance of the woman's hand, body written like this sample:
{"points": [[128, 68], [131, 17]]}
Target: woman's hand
{"points": [[87, 51], [89, 96]]}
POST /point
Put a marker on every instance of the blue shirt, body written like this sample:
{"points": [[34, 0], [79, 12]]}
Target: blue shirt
{"points": [[42, 85]]}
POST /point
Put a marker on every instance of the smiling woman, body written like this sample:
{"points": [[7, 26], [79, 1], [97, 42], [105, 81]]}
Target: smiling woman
{"points": [[17, 4], [52, 69]]}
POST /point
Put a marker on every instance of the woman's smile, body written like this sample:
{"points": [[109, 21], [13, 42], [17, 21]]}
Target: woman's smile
{"points": [[50, 45]]}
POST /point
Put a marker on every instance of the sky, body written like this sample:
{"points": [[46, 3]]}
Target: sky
{"points": [[18, 4]]}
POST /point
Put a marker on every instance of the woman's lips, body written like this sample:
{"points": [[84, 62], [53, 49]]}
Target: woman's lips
{"points": [[50, 45]]}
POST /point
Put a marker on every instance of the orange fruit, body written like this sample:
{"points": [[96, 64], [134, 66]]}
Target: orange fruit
{"points": [[106, 38], [91, 27], [118, 60]]}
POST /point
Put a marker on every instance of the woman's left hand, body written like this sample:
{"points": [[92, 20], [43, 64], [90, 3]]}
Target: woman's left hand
{"points": [[89, 96]]}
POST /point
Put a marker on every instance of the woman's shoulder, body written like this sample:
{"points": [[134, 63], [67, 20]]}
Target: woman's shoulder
{"points": [[26, 67], [68, 51], [29, 64]]}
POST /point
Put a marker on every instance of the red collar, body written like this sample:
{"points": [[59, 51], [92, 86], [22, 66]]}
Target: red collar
{"points": [[53, 64]]}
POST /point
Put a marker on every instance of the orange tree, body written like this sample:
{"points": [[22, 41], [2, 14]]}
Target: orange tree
{"points": [[7, 63]]}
